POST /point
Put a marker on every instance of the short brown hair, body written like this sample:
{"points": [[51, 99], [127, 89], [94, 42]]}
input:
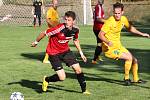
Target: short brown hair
{"points": [[70, 14], [118, 5]]}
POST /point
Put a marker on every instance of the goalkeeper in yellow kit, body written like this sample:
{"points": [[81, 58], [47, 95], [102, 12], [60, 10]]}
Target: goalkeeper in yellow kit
{"points": [[112, 47], [52, 20]]}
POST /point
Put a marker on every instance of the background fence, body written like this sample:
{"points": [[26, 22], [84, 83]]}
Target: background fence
{"points": [[19, 11]]}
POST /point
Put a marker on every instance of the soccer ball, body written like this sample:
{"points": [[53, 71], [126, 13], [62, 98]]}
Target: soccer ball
{"points": [[16, 96]]}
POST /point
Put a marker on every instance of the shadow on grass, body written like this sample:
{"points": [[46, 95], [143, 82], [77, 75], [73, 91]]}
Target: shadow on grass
{"points": [[37, 86], [96, 77], [107, 65], [27, 26], [39, 56], [141, 55]]}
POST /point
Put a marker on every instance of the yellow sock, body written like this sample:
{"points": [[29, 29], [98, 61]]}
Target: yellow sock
{"points": [[135, 72], [46, 57], [127, 68]]}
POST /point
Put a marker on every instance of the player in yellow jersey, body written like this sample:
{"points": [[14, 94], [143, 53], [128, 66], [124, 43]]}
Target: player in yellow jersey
{"points": [[112, 47], [52, 20], [52, 17]]}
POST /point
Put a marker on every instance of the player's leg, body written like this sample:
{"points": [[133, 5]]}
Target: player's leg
{"points": [[80, 78], [60, 73], [120, 52], [70, 60], [128, 63], [34, 21], [135, 70], [59, 76], [45, 60], [134, 67], [39, 19], [98, 49]]}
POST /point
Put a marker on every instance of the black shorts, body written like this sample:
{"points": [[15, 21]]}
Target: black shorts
{"points": [[96, 32], [67, 57]]}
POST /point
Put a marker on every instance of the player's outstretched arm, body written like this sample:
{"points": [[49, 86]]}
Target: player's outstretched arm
{"points": [[41, 36], [77, 44], [135, 31]]}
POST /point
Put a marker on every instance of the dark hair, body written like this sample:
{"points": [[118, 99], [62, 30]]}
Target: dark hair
{"points": [[118, 5], [70, 14]]}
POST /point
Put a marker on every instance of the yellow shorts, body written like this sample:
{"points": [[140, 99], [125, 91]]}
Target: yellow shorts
{"points": [[114, 52]]}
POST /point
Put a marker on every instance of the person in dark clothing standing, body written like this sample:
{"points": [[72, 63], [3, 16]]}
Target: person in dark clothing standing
{"points": [[37, 9]]}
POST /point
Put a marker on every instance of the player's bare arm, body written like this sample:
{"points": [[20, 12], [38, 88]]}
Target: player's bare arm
{"points": [[41, 36], [77, 44], [102, 37], [135, 31]]}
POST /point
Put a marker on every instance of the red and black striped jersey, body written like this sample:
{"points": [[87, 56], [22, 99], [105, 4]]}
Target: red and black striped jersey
{"points": [[59, 38], [98, 13]]}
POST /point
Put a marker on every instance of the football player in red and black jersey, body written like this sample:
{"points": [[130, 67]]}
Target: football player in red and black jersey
{"points": [[59, 51], [98, 16]]}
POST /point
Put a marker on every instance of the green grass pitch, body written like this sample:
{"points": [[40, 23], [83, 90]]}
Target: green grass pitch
{"points": [[22, 70]]}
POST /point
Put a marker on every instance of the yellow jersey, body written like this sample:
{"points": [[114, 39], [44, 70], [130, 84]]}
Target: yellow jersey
{"points": [[52, 14], [112, 29]]}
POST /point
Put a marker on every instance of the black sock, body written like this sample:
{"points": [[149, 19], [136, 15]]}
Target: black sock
{"points": [[53, 78], [98, 51], [82, 82]]}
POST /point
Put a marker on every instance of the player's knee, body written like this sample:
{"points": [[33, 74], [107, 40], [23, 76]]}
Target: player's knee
{"points": [[129, 57], [61, 74], [78, 71], [62, 77], [57, 68], [135, 60]]}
